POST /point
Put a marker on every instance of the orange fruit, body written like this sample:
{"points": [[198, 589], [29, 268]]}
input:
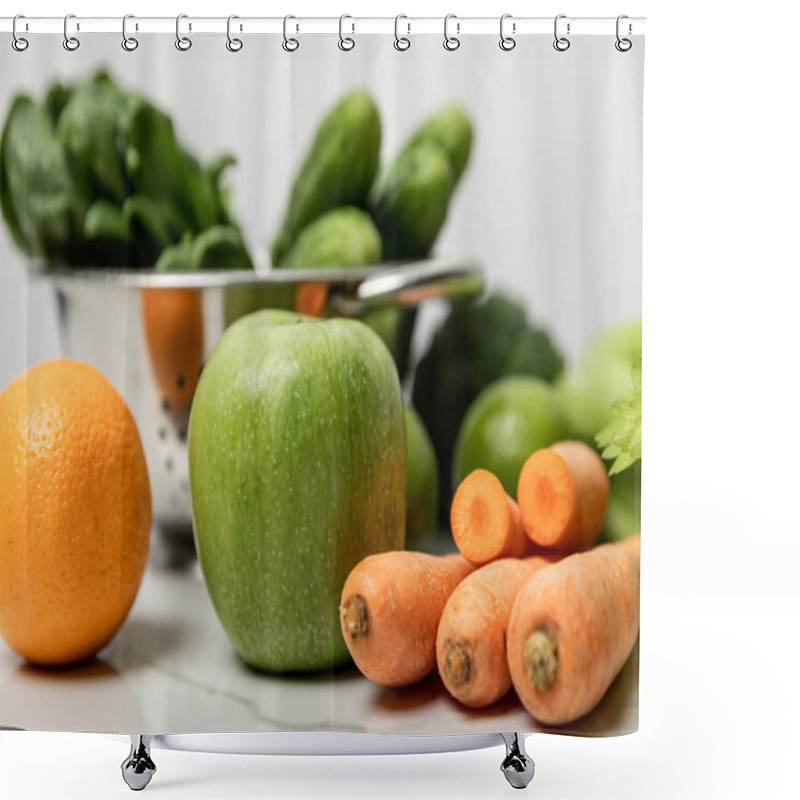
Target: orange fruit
{"points": [[75, 512], [173, 327]]}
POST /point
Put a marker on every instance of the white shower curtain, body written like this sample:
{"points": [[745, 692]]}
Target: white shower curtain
{"points": [[545, 205]]}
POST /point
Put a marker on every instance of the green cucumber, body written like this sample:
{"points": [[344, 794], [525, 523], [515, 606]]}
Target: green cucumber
{"points": [[344, 237], [338, 170], [411, 204], [451, 130]]}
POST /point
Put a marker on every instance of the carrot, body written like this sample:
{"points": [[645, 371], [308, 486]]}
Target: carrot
{"points": [[563, 495], [485, 521], [391, 605], [311, 298], [471, 640], [173, 328], [571, 630]]}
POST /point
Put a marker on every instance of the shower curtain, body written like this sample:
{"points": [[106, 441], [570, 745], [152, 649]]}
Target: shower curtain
{"points": [[459, 228]]}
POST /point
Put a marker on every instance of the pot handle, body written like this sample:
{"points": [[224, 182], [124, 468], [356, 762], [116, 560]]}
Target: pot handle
{"points": [[409, 285]]}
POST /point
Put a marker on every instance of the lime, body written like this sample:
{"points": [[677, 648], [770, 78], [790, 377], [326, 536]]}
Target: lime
{"points": [[508, 421]]}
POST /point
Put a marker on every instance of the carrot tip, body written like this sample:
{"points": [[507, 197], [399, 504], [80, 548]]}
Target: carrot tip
{"points": [[458, 664], [541, 660], [354, 613]]}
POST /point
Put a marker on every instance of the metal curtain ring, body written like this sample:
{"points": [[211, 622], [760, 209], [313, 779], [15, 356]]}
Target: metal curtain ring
{"points": [[183, 43], [401, 43], [129, 43], [561, 43], [71, 43], [451, 42], [290, 44], [507, 42], [19, 43], [346, 42], [623, 44], [233, 44]]}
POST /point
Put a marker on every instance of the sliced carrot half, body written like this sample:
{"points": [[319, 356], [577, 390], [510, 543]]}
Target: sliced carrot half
{"points": [[563, 496], [485, 521]]}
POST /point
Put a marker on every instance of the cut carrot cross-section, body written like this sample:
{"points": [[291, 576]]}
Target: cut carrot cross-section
{"points": [[563, 496], [485, 520]]}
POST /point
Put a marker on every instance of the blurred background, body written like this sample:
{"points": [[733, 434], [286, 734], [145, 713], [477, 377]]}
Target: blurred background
{"points": [[550, 203]]}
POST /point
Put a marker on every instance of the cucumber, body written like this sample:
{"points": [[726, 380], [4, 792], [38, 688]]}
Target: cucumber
{"points": [[339, 168], [449, 129], [344, 237], [411, 205]]}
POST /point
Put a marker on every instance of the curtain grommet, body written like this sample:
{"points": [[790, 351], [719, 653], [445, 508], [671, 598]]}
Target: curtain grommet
{"points": [[623, 43], [289, 44], [183, 43], [19, 43], [71, 43], [451, 43], [233, 44], [507, 43], [346, 43], [129, 43], [561, 43], [401, 43]]}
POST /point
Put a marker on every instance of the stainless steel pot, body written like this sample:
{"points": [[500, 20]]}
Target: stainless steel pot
{"points": [[150, 333]]}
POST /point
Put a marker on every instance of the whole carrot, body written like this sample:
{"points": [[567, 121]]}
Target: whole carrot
{"points": [[571, 630], [471, 640], [390, 610], [485, 521], [563, 495]]}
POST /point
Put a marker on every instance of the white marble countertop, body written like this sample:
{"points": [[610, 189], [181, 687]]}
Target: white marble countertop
{"points": [[172, 670]]}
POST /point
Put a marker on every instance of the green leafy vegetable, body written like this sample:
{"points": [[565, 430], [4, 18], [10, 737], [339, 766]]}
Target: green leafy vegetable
{"points": [[621, 438], [220, 247], [94, 176], [88, 129]]}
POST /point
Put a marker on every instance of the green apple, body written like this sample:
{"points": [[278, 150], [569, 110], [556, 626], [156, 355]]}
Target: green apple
{"points": [[297, 468], [510, 419]]}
